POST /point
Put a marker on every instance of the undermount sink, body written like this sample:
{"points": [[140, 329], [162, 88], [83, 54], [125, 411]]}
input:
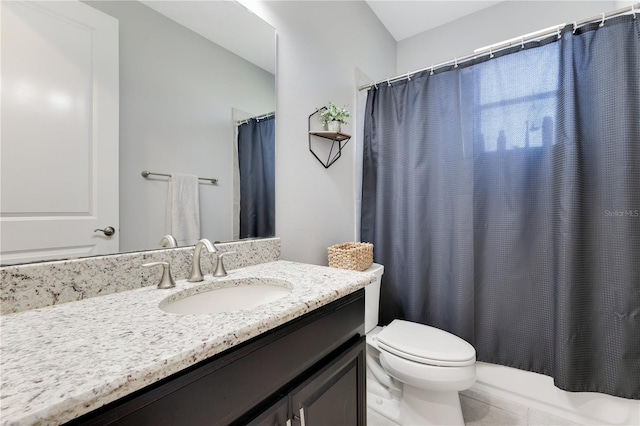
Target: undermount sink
{"points": [[226, 296]]}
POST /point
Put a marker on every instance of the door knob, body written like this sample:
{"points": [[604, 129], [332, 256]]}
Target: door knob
{"points": [[108, 231]]}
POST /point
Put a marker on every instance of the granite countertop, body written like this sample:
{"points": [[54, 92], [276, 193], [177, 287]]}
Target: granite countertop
{"points": [[62, 361]]}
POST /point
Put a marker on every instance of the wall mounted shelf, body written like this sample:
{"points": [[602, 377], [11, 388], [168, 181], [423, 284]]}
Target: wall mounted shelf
{"points": [[338, 142]]}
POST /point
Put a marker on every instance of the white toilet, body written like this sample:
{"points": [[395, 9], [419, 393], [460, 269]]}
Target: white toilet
{"points": [[414, 372]]}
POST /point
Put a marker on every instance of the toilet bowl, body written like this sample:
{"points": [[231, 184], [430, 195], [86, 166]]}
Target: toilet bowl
{"points": [[414, 371]]}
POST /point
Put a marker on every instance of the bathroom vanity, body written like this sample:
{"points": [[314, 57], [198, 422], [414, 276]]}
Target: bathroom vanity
{"points": [[120, 359], [312, 367]]}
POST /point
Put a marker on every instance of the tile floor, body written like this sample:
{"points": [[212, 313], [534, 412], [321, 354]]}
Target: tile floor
{"points": [[480, 409], [375, 419]]}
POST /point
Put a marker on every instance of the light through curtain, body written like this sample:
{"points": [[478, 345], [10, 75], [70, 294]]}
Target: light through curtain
{"points": [[503, 198], [256, 162]]}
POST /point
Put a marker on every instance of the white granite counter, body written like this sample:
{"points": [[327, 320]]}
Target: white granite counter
{"points": [[62, 361]]}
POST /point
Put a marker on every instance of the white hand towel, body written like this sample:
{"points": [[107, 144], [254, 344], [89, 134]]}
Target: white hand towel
{"points": [[183, 209]]}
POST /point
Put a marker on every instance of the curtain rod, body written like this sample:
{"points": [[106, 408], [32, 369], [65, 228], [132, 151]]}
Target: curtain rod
{"points": [[257, 117], [491, 49]]}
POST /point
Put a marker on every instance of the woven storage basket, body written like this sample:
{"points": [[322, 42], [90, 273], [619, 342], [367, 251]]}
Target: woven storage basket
{"points": [[354, 256]]}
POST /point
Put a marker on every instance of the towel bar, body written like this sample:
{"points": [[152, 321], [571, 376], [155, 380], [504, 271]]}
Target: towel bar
{"points": [[146, 173]]}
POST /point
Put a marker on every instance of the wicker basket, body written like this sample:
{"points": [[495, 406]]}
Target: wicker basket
{"points": [[354, 256]]}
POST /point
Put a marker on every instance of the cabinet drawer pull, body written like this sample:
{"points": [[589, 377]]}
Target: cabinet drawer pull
{"points": [[302, 416]]}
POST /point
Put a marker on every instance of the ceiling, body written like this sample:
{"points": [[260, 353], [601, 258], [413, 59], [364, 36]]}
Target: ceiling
{"points": [[226, 22], [404, 19]]}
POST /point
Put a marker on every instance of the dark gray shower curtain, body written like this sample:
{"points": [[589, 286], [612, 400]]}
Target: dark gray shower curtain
{"points": [[503, 198], [256, 160]]}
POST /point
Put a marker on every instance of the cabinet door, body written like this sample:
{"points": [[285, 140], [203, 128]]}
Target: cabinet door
{"points": [[336, 394]]}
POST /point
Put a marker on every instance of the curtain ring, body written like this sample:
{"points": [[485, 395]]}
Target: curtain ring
{"points": [[431, 73], [388, 83], [522, 43], [375, 85], [490, 53], [409, 76], [559, 34], [633, 10], [575, 26], [602, 23]]}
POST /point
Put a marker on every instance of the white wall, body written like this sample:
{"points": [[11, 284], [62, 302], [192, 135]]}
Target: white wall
{"points": [[320, 44], [492, 25], [177, 91]]}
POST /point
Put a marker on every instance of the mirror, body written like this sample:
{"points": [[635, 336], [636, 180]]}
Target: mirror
{"points": [[188, 72]]}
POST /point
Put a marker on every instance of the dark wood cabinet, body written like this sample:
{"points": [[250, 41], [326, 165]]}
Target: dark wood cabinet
{"points": [[315, 363], [334, 395], [277, 414]]}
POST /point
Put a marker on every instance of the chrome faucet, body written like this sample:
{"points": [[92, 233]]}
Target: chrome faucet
{"points": [[196, 271]]}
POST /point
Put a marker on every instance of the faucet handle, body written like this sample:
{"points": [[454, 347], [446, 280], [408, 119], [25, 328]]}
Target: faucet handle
{"points": [[220, 271], [166, 281]]}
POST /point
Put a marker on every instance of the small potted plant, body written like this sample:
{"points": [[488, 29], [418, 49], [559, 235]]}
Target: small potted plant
{"points": [[333, 117]]}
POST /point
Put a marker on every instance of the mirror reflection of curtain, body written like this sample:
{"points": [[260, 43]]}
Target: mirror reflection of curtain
{"points": [[256, 161], [503, 198]]}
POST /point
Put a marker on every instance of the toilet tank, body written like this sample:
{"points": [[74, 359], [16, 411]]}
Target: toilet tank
{"points": [[372, 298]]}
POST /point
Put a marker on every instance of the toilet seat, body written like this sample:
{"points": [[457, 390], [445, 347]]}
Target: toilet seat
{"points": [[425, 345]]}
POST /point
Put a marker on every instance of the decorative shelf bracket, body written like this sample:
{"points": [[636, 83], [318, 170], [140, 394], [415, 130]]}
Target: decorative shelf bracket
{"points": [[338, 142]]}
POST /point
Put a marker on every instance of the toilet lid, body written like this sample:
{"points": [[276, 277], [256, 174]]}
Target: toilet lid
{"points": [[425, 344]]}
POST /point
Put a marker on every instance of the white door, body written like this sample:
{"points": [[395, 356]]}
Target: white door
{"points": [[59, 130]]}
